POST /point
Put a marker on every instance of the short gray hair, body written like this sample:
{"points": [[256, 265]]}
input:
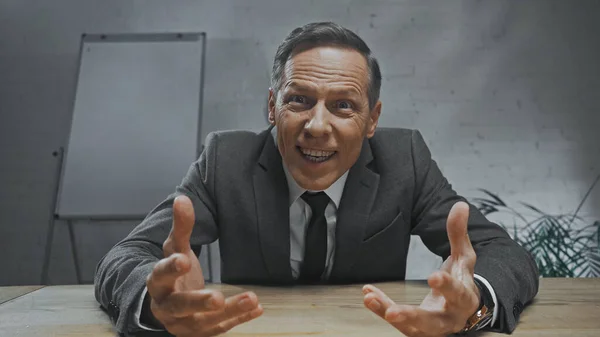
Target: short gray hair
{"points": [[326, 33]]}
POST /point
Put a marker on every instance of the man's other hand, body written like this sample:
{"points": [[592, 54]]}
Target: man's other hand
{"points": [[176, 287], [453, 298]]}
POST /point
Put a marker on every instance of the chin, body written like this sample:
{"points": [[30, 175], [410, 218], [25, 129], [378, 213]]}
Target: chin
{"points": [[314, 184], [317, 187]]}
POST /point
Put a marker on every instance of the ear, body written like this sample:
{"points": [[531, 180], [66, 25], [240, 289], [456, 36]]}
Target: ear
{"points": [[271, 106], [374, 119]]}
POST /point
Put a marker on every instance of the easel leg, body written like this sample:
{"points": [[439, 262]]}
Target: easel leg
{"points": [[48, 253], [74, 251], [53, 218]]}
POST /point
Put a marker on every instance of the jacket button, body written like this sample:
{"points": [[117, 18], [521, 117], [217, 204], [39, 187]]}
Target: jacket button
{"points": [[517, 309]]}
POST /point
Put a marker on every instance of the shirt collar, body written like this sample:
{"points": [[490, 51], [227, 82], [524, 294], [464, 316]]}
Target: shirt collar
{"points": [[334, 192]]}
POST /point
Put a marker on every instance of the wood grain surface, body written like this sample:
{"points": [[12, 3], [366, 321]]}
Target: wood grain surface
{"points": [[563, 307], [10, 293]]}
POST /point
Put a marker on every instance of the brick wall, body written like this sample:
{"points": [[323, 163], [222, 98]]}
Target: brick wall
{"points": [[505, 93]]}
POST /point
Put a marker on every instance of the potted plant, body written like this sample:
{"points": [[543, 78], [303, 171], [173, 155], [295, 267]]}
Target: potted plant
{"points": [[563, 245]]}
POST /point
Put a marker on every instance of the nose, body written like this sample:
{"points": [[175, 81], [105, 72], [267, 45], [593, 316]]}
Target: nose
{"points": [[319, 123]]}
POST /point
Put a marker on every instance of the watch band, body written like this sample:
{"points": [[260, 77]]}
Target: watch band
{"points": [[480, 318], [484, 313]]}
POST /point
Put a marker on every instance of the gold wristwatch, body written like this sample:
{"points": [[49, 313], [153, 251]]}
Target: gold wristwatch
{"points": [[484, 314]]}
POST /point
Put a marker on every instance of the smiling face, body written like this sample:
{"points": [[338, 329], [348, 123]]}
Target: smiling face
{"points": [[322, 114]]}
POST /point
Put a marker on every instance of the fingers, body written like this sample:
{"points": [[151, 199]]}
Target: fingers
{"points": [[235, 321], [234, 306], [410, 320], [456, 227], [191, 327], [453, 290], [239, 304], [187, 303], [376, 300], [233, 311], [162, 279], [379, 303], [183, 224], [414, 321]]}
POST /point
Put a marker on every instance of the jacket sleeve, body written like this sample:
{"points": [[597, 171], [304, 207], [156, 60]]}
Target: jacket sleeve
{"points": [[121, 274], [507, 266]]}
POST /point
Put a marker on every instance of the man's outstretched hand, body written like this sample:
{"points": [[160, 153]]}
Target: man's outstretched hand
{"points": [[176, 287], [453, 298]]}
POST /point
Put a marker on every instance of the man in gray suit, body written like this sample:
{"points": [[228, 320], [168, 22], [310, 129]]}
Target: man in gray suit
{"points": [[322, 196]]}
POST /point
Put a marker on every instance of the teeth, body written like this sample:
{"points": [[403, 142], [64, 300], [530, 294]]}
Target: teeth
{"points": [[316, 153]]}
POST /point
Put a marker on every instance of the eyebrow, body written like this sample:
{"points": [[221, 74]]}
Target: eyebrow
{"points": [[346, 92], [296, 86], [351, 91]]}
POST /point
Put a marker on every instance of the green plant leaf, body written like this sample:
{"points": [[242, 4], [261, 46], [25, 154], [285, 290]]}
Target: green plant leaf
{"points": [[495, 198], [533, 208], [562, 245]]}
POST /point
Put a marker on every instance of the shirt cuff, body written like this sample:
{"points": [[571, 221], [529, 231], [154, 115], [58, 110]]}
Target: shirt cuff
{"points": [[491, 290], [138, 313]]}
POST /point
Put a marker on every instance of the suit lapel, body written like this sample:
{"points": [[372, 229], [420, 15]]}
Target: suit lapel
{"points": [[353, 215], [272, 210]]}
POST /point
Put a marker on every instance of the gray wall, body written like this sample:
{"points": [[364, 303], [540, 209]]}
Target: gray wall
{"points": [[505, 92]]}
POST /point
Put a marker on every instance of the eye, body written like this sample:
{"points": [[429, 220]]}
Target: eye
{"points": [[344, 105], [298, 99]]}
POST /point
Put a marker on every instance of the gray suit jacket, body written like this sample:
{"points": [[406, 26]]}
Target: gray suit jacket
{"points": [[239, 193]]}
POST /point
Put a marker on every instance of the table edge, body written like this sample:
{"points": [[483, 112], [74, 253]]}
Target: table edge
{"points": [[24, 294]]}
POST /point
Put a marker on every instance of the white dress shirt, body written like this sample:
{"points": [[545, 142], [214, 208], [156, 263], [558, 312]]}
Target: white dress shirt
{"points": [[300, 213]]}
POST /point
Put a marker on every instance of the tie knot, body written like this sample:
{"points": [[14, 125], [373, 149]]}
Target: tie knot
{"points": [[317, 201]]}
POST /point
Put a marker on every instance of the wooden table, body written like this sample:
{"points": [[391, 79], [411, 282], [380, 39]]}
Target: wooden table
{"points": [[563, 307], [10, 293]]}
